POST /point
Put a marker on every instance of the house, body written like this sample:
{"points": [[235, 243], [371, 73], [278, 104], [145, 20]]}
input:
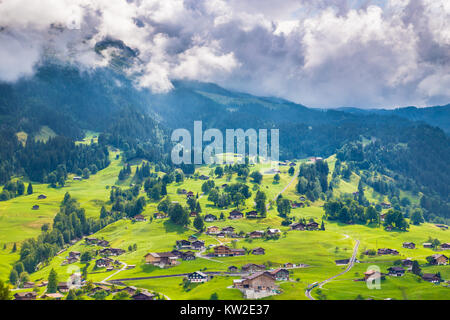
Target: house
{"points": [[28, 285], [298, 226], [385, 205], [237, 252], [89, 241], [103, 262], [252, 267], [273, 232], [225, 251], [111, 252], [224, 185], [228, 230], [103, 243], [221, 234], [190, 195], [289, 265], [438, 259], [192, 237], [159, 215], [256, 234], [35, 207], [161, 259], [342, 262], [197, 277], [197, 244], [193, 214], [312, 226], [372, 275], [139, 218], [280, 274], [386, 251], [430, 277], [233, 269], [382, 216], [222, 251], [260, 281], [295, 205], [25, 296], [409, 245], [396, 271], [63, 287], [210, 218], [183, 244], [42, 196], [74, 254], [252, 214], [77, 178], [182, 191], [212, 230], [235, 214], [143, 295], [442, 226], [445, 246], [130, 290], [292, 164], [188, 256], [203, 177], [52, 296], [428, 245], [101, 288], [258, 251], [408, 262]]}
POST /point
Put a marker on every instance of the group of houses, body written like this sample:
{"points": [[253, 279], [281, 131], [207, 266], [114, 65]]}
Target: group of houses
{"points": [[74, 256], [95, 241], [427, 245], [187, 244], [300, 226]]}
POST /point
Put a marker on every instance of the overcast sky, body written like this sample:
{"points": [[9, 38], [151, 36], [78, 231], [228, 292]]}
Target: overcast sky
{"points": [[320, 53]]}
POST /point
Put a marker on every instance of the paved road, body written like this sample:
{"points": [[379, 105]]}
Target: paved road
{"points": [[349, 267], [112, 275]]}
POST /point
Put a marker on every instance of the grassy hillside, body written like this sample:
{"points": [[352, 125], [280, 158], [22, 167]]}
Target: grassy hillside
{"points": [[317, 249]]}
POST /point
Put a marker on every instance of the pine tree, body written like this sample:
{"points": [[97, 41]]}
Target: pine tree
{"points": [[14, 249], [13, 277], [52, 285], [30, 189], [4, 291], [198, 223], [71, 295], [322, 226]]}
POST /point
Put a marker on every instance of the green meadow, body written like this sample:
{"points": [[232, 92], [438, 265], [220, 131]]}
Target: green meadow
{"points": [[317, 249]]}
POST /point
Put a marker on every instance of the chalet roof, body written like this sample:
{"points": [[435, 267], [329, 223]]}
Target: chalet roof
{"points": [[396, 269], [200, 273], [258, 274], [253, 264], [25, 294], [274, 272], [430, 276], [162, 254]]}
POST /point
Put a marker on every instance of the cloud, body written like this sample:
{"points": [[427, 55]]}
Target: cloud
{"points": [[320, 53]]}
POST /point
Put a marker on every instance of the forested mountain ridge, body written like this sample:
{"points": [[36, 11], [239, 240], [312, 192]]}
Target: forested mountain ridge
{"points": [[70, 101], [436, 116]]}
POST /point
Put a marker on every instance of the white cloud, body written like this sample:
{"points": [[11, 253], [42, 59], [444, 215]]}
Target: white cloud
{"points": [[321, 53]]}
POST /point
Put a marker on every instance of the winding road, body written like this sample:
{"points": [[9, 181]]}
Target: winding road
{"points": [[349, 267]]}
